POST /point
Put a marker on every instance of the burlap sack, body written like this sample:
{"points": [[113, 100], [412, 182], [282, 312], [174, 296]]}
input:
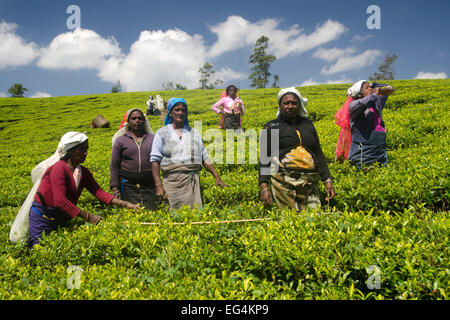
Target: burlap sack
{"points": [[100, 122]]}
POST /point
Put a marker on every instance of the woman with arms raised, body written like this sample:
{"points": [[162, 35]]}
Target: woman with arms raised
{"points": [[368, 145]]}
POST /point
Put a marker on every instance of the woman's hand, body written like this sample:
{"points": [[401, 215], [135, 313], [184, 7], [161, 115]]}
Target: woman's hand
{"points": [[116, 192], [330, 190], [132, 206], [220, 183], [94, 219], [208, 165], [376, 91], [91, 218], [160, 192], [266, 195], [125, 204]]}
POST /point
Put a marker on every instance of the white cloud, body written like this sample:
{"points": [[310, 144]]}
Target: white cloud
{"points": [[3, 95], [227, 74], [430, 75], [226, 33], [281, 42], [14, 51], [333, 54], [78, 49], [326, 32], [347, 63], [40, 94], [358, 38], [157, 57], [311, 82]]}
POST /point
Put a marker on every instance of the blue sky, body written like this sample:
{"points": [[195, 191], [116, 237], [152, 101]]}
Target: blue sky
{"points": [[145, 44]]}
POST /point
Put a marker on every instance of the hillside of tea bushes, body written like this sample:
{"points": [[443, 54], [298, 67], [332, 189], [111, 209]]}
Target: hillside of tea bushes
{"points": [[392, 219]]}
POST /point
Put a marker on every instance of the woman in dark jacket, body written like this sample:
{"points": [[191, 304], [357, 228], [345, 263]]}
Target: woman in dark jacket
{"points": [[292, 146]]}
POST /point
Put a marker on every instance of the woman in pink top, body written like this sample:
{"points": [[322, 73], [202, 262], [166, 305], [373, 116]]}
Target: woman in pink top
{"points": [[231, 108]]}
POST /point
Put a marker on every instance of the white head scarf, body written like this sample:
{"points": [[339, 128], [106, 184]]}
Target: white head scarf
{"points": [[126, 128], [355, 89], [20, 228], [68, 141], [303, 101]]}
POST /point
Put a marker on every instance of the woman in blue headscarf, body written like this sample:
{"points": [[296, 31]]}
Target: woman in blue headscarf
{"points": [[178, 151]]}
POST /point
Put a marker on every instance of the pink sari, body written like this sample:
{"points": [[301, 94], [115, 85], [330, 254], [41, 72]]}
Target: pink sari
{"points": [[345, 136]]}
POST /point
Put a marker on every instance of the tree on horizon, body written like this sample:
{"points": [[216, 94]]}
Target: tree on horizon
{"points": [[206, 72], [116, 87], [385, 69], [261, 63], [17, 90]]}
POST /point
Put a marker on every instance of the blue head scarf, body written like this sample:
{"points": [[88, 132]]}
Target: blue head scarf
{"points": [[170, 104]]}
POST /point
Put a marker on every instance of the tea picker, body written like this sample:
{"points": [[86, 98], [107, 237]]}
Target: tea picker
{"points": [[365, 119], [155, 106], [58, 183]]}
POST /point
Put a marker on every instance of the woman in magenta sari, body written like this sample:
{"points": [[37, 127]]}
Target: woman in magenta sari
{"points": [[368, 145]]}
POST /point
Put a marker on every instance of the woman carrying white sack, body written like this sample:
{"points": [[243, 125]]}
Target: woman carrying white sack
{"points": [[58, 183]]}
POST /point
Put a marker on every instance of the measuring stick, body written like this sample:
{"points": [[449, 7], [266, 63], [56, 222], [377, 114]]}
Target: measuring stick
{"points": [[207, 222]]}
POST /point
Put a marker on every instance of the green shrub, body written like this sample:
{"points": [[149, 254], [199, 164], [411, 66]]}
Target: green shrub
{"points": [[393, 219]]}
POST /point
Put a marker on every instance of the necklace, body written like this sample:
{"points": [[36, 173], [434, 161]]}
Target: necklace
{"points": [[137, 139], [178, 131]]}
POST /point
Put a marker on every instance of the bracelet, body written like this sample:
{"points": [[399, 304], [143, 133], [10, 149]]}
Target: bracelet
{"points": [[264, 190], [87, 216], [115, 192]]}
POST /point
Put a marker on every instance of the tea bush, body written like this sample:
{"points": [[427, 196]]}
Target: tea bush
{"points": [[393, 219]]}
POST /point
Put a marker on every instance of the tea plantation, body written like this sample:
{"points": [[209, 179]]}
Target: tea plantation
{"points": [[384, 236]]}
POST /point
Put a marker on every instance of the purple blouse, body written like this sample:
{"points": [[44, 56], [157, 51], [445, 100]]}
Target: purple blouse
{"points": [[128, 155]]}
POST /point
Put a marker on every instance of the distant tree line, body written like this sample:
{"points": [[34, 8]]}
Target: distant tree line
{"points": [[260, 62]]}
